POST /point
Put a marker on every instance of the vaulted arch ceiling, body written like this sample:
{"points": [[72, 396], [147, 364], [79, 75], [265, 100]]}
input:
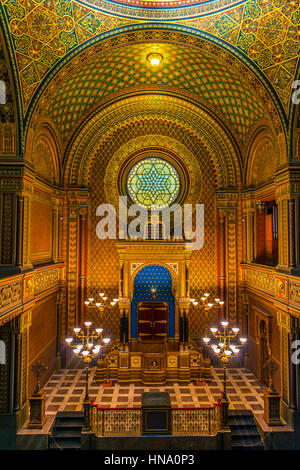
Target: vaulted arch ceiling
{"points": [[42, 33], [198, 71], [161, 115]]}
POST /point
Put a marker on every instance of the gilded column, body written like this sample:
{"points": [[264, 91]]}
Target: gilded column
{"points": [[250, 236], [297, 231], [245, 217], [291, 215], [21, 328], [72, 275], [222, 253], [20, 218], [83, 259]]}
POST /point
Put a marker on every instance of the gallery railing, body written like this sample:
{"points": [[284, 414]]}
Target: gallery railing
{"points": [[128, 421]]}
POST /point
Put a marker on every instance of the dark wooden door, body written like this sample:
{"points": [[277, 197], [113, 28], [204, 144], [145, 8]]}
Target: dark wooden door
{"points": [[153, 320]]}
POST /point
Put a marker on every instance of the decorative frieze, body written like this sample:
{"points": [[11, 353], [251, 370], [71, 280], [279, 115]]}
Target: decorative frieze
{"points": [[284, 288], [17, 290], [10, 295], [46, 279], [259, 279]]}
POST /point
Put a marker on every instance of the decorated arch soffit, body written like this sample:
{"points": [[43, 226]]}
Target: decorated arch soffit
{"points": [[174, 121], [112, 68], [265, 34]]}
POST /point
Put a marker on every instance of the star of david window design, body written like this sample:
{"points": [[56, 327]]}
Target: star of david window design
{"points": [[153, 182]]}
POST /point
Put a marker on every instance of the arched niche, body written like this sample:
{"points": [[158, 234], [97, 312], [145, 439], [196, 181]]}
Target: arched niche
{"points": [[42, 153], [262, 158]]}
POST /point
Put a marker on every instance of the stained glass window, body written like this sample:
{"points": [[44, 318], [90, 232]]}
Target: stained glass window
{"points": [[153, 182]]}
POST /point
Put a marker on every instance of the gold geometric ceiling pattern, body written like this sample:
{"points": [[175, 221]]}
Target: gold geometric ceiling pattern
{"points": [[43, 32], [127, 68], [162, 115]]}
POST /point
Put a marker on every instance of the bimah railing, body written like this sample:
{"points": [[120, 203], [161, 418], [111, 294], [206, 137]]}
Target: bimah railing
{"points": [[128, 421]]}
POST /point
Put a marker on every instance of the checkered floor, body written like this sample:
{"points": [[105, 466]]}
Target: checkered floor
{"points": [[65, 392]]}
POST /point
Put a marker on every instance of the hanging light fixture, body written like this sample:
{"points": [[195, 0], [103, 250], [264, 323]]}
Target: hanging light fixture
{"points": [[155, 58], [153, 288]]}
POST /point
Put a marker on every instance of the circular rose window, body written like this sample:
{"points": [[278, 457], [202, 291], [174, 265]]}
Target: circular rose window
{"points": [[153, 182]]}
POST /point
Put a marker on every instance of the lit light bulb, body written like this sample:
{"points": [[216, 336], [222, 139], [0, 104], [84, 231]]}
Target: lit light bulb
{"points": [[206, 340], [203, 299], [87, 302], [217, 350], [69, 340], [214, 330], [217, 300], [87, 323], [192, 300], [243, 340], [206, 294], [210, 304], [106, 340], [195, 303], [101, 294], [214, 346], [155, 59], [76, 351], [104, 298], [77, 330], [221, 302], [116, 300], [113, 303], [221, 345], [228, 352], [85, 353], [91, 299], [235, 330], [99, 330], [224, 323]]}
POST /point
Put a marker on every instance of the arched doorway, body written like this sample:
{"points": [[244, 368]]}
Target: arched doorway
{"points": [[160, 278]]}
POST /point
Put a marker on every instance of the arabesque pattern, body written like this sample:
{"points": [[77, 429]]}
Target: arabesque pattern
{"points": [[44, 31]]}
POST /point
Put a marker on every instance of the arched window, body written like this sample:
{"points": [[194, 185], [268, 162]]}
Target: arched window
{"points": [[2, 92]]}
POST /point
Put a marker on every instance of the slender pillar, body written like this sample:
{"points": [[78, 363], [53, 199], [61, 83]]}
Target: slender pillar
{"points": [[292, 233], [20, 213]]}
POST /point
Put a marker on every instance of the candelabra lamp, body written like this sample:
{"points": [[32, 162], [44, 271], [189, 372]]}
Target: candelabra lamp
{"points": [[37, 400], [206, 305], [87, 344], [227, 343], [103, 303]]}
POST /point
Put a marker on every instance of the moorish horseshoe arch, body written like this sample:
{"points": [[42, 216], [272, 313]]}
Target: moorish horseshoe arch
{"points": [[174, 310]]}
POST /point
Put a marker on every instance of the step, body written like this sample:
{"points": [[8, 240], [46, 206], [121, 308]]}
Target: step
{"points": [[247, 447], [69, 423], [245, 433], [240, 413], [62, 444], [242, 424], [66, 433], [69, 414]]}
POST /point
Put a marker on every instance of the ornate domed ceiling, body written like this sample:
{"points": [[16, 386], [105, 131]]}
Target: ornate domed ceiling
{"points": [[260, 37], [207, 5], [125, 69]]}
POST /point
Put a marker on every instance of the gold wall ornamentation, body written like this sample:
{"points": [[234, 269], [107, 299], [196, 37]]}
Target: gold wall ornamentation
{"points": [[159, 115], [16, 291], [10, 295]]}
